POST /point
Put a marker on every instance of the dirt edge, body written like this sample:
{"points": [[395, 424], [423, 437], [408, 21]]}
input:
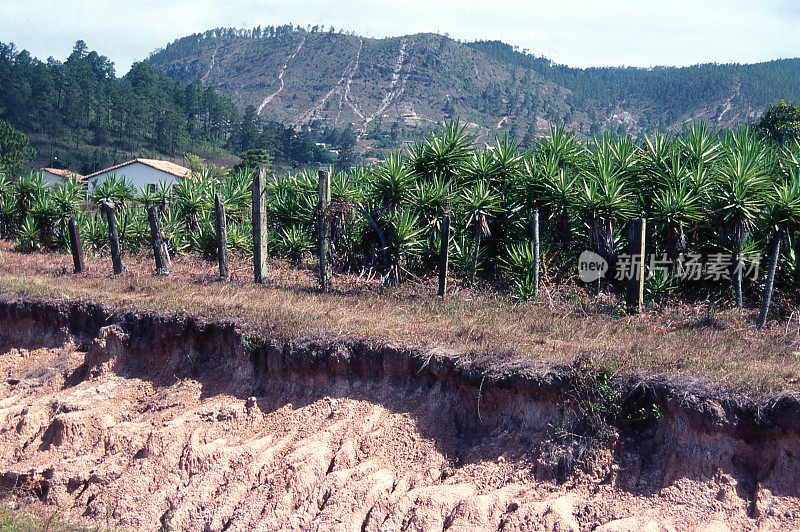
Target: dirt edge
{"points": [[704, 406]]}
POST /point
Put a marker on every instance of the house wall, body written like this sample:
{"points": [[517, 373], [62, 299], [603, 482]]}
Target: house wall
{"points": [[138, 174], [50, 179]]}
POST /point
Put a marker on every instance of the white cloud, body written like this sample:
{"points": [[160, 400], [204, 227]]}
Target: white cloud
{"points": [[575, 32]]}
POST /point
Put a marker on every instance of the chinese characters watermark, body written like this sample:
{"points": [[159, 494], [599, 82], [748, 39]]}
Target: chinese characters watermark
{"points": [[688, 267]]}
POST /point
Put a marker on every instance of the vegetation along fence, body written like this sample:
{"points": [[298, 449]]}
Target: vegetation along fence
{"points": [[715, 205]]}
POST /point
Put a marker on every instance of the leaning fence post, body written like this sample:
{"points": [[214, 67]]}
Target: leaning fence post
{"points": [[443, 254], [156, 240], [323, 228], [536, 252], [75, 245], [221, 227], [116, 260], [259, 225], [636, 241]]}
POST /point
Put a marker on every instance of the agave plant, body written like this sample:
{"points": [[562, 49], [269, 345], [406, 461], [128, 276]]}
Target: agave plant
{"points": [[543, 183], [624, 154], [350, 187], [44, 214], [658, 151], [175, 231], [5, 182], [604, 199], [403, 243], [147, 196], [431, 199], [505, 162], [192, 197], [676, 204], [699, 145], [393, 183], [28, 235], [8, 215], [783, 219], [443, 153], [115, 189], [67, 197], [204, 238], [26, 189], [741, 186], [294, 244], [162, 194], [520, 263], [237, 195], [292, 200], [462, 257], [136, 228], [561, 145], [240, 236], [95, 230], [478, 203]]}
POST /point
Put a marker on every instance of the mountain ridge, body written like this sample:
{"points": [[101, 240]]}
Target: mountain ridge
{"points": [[298, 76]]}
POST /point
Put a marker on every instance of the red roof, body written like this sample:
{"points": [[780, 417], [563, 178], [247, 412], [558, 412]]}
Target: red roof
{"points": [[61, 172], [165, 166]]}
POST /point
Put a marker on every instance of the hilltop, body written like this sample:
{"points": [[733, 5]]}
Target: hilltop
{"points": [[410, 83]]}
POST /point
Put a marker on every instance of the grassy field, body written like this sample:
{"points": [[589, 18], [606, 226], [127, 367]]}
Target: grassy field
{"points": [[567, 323]]}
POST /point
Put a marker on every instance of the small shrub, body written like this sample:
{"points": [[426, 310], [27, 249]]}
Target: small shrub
{"points": [[519, 263], [293, 244], [28, 235]]}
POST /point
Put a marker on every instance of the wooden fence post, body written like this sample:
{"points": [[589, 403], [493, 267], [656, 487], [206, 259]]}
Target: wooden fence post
{"points": [[165, 252], [636, 243], [259, 225], [156, 240], [443, 254], [116, 259], [221, 226], [75, 245], [323, 228], [536, 252]]}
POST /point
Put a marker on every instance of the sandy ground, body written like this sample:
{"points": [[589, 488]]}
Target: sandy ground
{"points": [[182, 453]]}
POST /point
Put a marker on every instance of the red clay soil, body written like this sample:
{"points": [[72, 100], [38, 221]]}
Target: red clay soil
{"points": [[171, 435]]}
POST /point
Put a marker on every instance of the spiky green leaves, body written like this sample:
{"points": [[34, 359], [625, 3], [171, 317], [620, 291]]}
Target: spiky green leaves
{"points": [[443, 154]]}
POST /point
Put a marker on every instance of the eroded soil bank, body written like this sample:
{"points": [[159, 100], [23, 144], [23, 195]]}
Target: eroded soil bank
{"points": [[153, 422]]}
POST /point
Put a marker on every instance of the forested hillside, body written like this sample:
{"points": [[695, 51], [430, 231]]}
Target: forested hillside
{"points": [[673, 92], [79, 115], [298, 75]]}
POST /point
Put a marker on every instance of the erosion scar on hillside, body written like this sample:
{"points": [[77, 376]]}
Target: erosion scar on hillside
{"points": [[280, 77]]}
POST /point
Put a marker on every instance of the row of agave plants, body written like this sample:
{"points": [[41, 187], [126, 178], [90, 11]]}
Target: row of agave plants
{"points": [[721, 193]]}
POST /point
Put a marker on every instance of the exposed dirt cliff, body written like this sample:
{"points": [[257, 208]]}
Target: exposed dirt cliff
{"points": [[159, 422]]}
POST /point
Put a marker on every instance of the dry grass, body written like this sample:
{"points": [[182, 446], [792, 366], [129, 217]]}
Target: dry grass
{"points": [[566, 323]]}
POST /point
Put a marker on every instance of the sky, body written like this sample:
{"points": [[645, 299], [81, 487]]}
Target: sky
{"points": [[574, 32]]}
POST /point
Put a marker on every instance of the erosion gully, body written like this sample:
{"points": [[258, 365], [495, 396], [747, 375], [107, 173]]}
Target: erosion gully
{"points": [[150, 422]]}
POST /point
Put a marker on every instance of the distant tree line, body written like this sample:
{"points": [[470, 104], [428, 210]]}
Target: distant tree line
{"points": [[194, 43], [80, 102]]}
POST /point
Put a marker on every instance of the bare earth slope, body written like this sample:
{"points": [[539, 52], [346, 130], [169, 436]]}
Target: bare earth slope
{"points": [[168, 423]]}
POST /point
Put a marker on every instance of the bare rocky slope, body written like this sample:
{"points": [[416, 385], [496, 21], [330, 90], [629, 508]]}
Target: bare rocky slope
{"points": [[168, 422]]}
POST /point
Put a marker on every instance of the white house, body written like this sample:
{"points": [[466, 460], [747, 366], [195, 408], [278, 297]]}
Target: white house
{"points": [[53, 176], [143, 172]]}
